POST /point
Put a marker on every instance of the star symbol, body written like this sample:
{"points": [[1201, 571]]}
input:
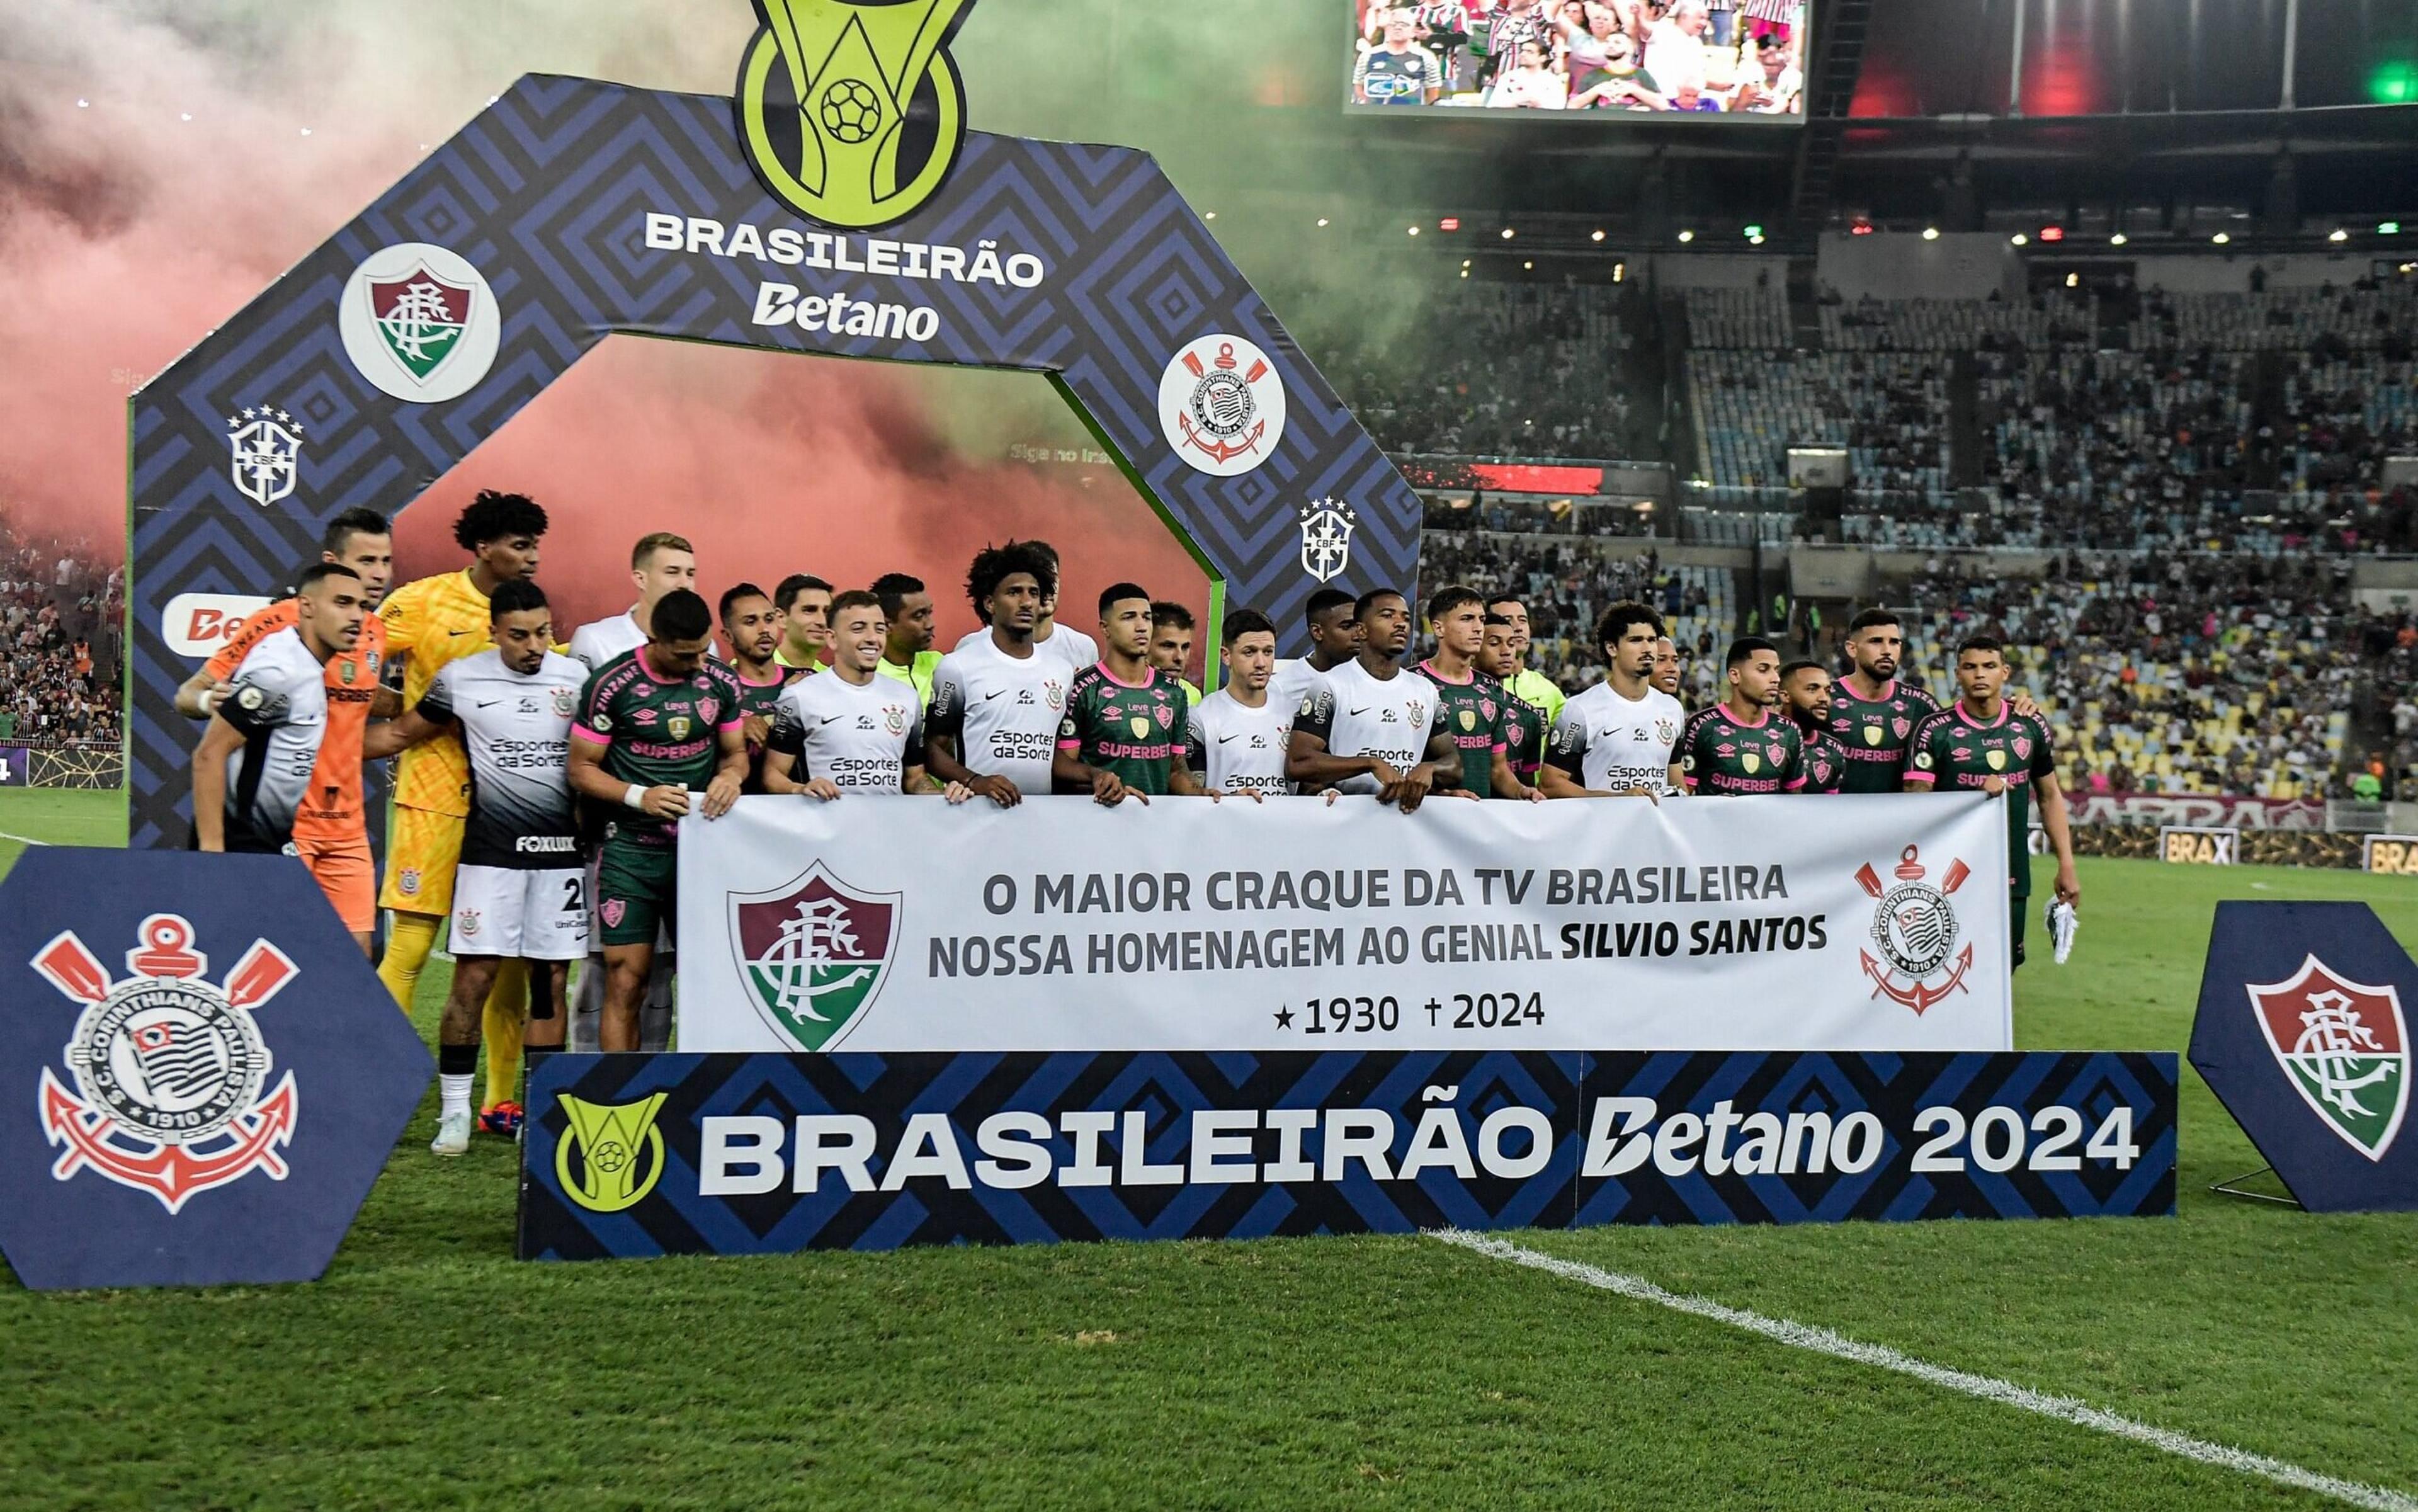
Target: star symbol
{"points": [[1284, 1017], [232, 422]]}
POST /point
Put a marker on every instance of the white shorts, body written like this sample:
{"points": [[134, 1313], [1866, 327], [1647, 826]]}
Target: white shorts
{"points": [[520, 915]]}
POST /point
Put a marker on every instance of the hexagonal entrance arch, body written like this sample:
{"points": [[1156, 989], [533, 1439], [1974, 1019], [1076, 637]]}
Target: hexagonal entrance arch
{"points": [[573, 209]]}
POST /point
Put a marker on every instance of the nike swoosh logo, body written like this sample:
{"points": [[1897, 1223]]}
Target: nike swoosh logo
{"points": [[993, 693], [489, 703], [460, 633], [1223, 739], [1360, 711], [833, 720]]}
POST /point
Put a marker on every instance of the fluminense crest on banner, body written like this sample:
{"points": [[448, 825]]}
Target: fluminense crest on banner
{"points": [[1914, 924], [168, 1067], [266, 447], [813, 952], [850, 111], [420, 322], [1326, 539], [2344, 1046], [1221, 406]]}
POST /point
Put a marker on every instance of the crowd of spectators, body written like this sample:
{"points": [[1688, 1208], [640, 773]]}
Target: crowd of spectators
{"points": [[1689, 56], [60, 612], [1491, 370], [2167, 673]]}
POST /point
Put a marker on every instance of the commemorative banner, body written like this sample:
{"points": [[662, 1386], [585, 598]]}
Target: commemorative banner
{"points": [[904, 924], [200, 1076], [731, 1155], [2302, 1033]]}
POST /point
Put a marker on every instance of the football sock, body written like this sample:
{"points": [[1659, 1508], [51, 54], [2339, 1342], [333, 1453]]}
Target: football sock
{"points": [[506, 1008], [454, 1065], [408, 945]]}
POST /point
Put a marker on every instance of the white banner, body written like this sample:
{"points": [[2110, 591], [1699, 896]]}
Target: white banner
{"points": [[1784, 923]]}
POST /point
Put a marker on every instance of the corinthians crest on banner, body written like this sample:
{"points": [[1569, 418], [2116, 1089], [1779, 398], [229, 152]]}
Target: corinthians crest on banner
{"points": [[1915, 929], [168, 1067], [813, 952], [2345, 1047]]}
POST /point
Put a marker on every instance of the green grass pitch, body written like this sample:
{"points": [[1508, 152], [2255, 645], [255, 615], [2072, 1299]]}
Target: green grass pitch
{"points": [[431, 1369]]}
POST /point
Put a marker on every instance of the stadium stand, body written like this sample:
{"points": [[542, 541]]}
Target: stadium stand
{"points": [[61, 611]]}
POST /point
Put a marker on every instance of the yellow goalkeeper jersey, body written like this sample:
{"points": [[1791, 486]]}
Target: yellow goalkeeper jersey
{"points": [[429, 623]]}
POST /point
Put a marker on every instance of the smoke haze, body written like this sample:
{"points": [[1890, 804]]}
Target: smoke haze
{"points": [[161, 162]]}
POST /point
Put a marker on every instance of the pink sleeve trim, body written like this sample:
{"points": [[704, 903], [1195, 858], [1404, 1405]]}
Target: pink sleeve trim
{"points": [[590, 736]]}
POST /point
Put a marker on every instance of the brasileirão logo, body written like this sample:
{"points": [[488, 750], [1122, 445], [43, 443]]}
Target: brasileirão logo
{"points": [[850, 111]]}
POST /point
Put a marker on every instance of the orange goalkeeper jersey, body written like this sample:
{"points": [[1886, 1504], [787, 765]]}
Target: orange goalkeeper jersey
{"points": [[431, 622]]}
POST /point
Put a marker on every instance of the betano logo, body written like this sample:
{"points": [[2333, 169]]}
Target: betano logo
{"points": [[850, 111], [621, 1152]]}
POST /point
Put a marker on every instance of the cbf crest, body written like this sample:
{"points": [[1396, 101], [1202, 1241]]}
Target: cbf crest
{"points": [[266, 447], [1915, 928], [168, 1067], [2344, 1046], [1326, 539]]}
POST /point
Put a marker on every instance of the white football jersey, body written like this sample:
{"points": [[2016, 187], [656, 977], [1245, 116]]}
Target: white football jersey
{"points": [[856, 737], [1610, 743], [518, 730], [1358, 715], [1001, 711], [1293, 682], [1071, 647], [600, 640], [279, 707], [1240, 748]]}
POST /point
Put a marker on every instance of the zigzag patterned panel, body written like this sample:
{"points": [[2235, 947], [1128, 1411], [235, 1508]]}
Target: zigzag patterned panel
{"points": [[547, 194]]}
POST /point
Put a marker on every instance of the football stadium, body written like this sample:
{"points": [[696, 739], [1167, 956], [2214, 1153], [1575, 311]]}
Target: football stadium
{"points": [[1279, 752]]}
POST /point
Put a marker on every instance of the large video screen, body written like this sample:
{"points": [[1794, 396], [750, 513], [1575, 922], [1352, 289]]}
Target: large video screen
{"points": [[1620, 59]]}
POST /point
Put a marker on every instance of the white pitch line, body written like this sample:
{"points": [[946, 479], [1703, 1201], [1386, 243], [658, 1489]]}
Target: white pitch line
{"points": [[1989, 1388], [23, 839]]}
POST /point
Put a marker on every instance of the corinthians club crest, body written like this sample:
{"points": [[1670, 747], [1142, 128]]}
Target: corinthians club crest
{"points": [[168, 1067], [267, 446], [1326, 539], [1915, 928], [813, 952], [1221, 406], [2344, 1046]]}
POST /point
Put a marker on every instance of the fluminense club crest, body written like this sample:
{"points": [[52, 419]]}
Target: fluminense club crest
{"points": [[813, 952], [1221, 406], [266, 443], [1326, 539], [2344, 1046], [419, 322], [1915, 928], [168, 1067]]}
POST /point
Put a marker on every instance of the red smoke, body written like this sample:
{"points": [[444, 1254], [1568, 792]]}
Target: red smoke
{"points": [[129, 232], [773, 463]]}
